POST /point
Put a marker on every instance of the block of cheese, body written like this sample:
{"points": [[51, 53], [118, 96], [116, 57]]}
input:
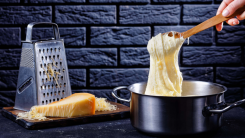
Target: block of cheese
{"points": [[165, 78], [77, 104]]}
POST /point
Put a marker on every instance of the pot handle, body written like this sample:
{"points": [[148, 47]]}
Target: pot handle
{"points": [[219, 108], [116, 96]]}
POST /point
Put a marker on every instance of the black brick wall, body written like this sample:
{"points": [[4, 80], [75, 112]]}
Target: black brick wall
{"points": [[106, 42]]}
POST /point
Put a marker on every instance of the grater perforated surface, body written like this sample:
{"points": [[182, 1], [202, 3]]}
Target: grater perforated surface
{"points": [[27, 58], [49, 53]]}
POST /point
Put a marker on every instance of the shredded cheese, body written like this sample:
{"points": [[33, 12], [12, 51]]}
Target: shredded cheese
{"points": [[46, 73], [31, 115], [102, 105], [52, 72]]}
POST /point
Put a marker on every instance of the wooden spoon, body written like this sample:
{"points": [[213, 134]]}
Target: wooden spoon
{"points": [[206, 24]]}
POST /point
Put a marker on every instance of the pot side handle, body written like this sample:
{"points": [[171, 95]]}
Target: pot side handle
{"points": [[219, 108], [116, 96]]}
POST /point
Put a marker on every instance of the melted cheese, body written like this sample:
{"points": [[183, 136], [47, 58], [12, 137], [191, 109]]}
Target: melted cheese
{"points": [[165, 78]]}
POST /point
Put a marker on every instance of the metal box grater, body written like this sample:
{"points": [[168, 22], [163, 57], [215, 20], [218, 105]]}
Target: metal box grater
{"points": [[33, 86]]}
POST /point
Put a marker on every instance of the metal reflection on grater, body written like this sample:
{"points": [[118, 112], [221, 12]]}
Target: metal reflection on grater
{"points": [[45, 62]]}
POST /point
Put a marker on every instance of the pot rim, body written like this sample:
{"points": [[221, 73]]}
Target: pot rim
{"points": [[216, 84]]}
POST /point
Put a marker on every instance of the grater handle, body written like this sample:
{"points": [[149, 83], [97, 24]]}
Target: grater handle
{"points": [[30, 26]]}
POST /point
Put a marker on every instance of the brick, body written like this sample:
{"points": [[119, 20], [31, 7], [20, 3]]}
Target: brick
{"points": [[7, 98], [117, 77], [77, 78], [119, 1], [230, 75], [231, 34], [100, 93], [182, 1], [197, 73], [198, 13], [54, 1], [138, 56], [10, 57], [204, 37], [8, 79], [85, 14], [120, 35], [10, 36], [92, 57], [211, 55], [9, 1], [25, 14], [73, 36], [233, 94], [149, 14]]}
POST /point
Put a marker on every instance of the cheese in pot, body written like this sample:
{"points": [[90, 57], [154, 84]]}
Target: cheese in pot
{"points": [[165, 78]]}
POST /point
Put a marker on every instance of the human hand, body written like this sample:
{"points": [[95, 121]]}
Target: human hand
{"points": [[228, 7]]}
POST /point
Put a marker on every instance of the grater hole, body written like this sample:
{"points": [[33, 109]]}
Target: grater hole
{"points": [[52, 86], [40, 50], [55, 49], [64, 84], [43, 72], [59, 70], [56, 85], [51, 49], [42, 102], [43, 94], [51, 93], [53, 100], [45, 65], [60, 85], [46, 79], [41, 65], [47, 94], [43, 80], [49, 57], [61, 98], [43, 50], [40, 73], [58, 92], [60, 63], [42, 57], [53, 56], [58, 99], [56, 63], [61, 77], [46, 101], [59, 49], [58, 56], [55, 93], [63, 92], [46, 57], [63, 70], [48, 86], [45, 87], [47, 50], [50, 101]]}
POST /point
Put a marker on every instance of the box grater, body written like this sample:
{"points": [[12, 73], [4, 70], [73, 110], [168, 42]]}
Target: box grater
{"points": [[33, 86]]}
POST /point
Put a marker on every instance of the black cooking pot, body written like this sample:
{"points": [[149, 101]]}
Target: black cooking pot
{"points": [[198, 110]]}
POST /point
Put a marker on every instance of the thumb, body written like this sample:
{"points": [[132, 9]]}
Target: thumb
{"points": [[232, 7]]}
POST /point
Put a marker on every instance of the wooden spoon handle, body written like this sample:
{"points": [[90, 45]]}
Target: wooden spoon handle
{"points": [[210, 22]]}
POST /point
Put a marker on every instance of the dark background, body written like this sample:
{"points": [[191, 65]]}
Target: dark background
{"points": [[106, 42]]}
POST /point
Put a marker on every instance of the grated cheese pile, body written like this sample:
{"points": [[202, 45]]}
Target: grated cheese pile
{"points": [[31, 115], [51, 72], [102, 105]]}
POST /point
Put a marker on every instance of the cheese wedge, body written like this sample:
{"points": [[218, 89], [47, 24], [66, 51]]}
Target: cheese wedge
{"points": [[77, 104], [165, 78]]}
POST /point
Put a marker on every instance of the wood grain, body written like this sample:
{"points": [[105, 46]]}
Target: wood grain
{"points": [[121, 112], [210, 22]]}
